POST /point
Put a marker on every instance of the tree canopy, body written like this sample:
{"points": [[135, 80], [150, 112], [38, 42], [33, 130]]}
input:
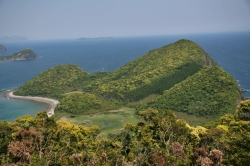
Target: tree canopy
{"points": [[211, 91], [156, 139]]}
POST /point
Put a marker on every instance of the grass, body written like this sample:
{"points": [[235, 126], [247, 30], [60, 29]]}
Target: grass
{"points": [[73, 92], [193, 120], [142, 101], [109, 122], [114, 120]]}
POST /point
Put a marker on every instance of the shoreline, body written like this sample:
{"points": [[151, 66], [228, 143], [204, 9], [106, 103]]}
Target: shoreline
{"points": [[51, 102]]}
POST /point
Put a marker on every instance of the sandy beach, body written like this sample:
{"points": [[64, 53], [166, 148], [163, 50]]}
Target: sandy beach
{"points": [[51, 102]]}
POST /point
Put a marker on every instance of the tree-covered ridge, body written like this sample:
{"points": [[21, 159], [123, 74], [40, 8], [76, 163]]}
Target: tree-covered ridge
{"points": [[154, 72], [25, 54], [166, 59], [54, 81], [211, 91], [83, 103], [157, 139]]}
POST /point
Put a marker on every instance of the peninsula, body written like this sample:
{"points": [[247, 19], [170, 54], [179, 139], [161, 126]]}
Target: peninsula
{"points": [[170, 76], [2, 48], [25, 54]]}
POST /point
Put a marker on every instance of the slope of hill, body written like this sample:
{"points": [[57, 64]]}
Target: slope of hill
{"points": [[211, 91], [54, 81], [154, 72], [83, 103]]}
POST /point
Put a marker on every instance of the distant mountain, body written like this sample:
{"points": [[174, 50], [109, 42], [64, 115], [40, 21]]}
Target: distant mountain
{"points": [[2, 48], [13, 38], [98, 38], [25, 54]]}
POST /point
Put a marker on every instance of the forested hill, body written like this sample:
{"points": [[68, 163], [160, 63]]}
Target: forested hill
{"points": [[54, 81], [152, 73], [182, 74], [155, 71], [210, 91]]}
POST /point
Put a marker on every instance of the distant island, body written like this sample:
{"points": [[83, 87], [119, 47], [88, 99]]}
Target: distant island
{"points": [[13, 38], [2, 48], [25, 54], [97, 38]]}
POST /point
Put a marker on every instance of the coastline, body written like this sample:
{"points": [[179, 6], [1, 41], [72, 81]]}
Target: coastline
{"points": [[51, 102]]}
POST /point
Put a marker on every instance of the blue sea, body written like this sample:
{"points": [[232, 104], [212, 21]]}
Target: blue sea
{"points": [[230, 50]]}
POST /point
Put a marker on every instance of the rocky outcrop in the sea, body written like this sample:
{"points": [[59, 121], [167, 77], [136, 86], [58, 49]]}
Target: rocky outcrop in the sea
{"points": [[25, 54], [2, 48]]}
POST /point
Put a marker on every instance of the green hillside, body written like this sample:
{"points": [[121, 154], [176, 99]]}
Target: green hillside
{"points": [[153, 73], [54, 81], [211, 91], [83, 103]]}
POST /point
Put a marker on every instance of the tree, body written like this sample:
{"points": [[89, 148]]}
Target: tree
{"points": [[160, 139], [243, 110]]}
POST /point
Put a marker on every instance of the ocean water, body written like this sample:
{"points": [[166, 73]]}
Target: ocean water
{"points": [[230, 50]]}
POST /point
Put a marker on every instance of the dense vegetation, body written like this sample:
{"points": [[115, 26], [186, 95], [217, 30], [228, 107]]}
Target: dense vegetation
{"points": [[183, 76], [154, 72], [83, 103], [157, 139], [25, 54], [204, 93], [109, 122], [54, 81]]}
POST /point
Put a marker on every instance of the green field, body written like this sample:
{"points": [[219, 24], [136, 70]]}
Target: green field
{"points": [[192, 119], [109, 122], [114, 120]]}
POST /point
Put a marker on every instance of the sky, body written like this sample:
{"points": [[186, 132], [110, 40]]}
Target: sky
{"points": [[68, 19]]}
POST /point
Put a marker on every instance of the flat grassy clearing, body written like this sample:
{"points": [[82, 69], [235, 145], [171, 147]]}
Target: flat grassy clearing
{"points": [[142, 101], [73, 92], [192, 119], [113, 121], [109, 122]]}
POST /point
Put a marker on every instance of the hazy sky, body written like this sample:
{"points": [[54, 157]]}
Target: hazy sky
{"points": [[62, 19]]}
